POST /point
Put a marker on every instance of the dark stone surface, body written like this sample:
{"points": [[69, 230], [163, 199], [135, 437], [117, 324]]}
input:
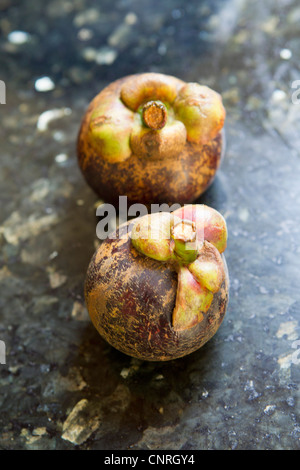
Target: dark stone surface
{"points": [[63, 386]]}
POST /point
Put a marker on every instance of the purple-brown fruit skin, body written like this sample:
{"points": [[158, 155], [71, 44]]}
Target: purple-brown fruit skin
{"points": [[176, 179], [131, 298]]}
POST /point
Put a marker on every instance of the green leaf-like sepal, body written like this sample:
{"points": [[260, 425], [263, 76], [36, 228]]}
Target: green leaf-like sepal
{"points": [[167, 238], [192, 301]]}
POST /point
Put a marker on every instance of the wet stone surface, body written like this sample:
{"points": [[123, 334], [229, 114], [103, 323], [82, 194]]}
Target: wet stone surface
{"points": [[62, 386]]}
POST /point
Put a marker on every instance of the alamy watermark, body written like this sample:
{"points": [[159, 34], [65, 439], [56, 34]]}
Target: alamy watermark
{"points": [[2, 92], [296, 93], [2, 353], [109, 220], [108, 214], [296, 354], [2, 101]]}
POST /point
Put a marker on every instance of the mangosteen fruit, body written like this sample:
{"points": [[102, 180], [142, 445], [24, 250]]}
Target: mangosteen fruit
{"points": [[153, 138], [157, 288]]}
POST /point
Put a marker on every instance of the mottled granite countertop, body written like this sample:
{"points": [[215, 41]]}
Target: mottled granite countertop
{"points": [[62, 386]]}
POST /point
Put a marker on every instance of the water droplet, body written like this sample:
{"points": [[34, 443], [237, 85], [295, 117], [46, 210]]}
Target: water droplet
{"points": [[18, 37], [285, 54], [131, 18], [44, 84], [278, 95], [61, 158], [85, 34], [106, 56]]}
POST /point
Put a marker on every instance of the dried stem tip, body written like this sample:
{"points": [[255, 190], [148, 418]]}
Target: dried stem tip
{"points": [[155, 115], [184, 235]]}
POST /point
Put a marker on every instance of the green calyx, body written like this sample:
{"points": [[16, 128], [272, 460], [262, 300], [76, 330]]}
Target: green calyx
{"points": [[169, 239], [110, 130], [151, 236], [201, 110], [184, 235], [154, 116]]}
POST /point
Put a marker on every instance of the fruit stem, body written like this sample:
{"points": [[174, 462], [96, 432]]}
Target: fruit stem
{"points": [[184, 234], [154, 115]]}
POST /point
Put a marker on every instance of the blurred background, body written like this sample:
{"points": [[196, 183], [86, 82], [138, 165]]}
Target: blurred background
{"points": [[62, 386]]}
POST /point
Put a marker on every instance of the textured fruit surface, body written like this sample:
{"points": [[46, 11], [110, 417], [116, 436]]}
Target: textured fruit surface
{"points": [[147, 302], [153, 138]]}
